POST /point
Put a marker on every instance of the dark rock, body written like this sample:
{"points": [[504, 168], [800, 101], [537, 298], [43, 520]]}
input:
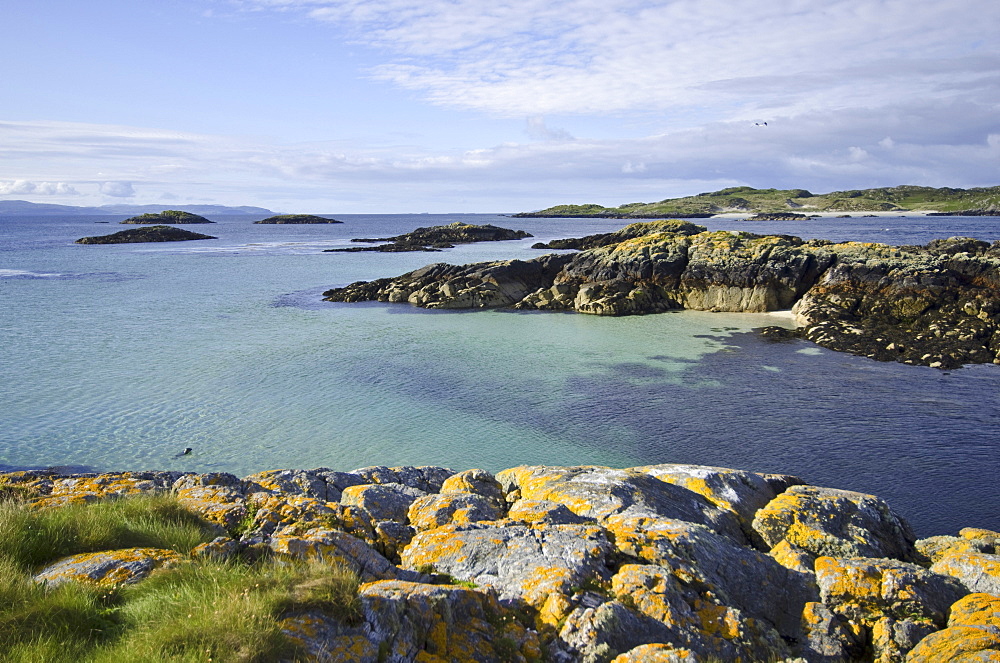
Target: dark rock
{"points": [[167, 216], [436, 238], [777, 216], [988, 211], [282, 219], [150, 234], [778, 334], [936, 305]]}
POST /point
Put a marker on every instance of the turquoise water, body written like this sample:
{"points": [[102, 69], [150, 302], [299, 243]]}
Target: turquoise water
{"points": [[118, 357]]}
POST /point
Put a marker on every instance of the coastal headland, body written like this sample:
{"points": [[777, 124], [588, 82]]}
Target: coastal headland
{"points": [[936, 305], [667, 562], [748, 200]]}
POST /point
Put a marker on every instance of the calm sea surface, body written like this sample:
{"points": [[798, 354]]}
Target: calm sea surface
{"points": [[120, 356]]}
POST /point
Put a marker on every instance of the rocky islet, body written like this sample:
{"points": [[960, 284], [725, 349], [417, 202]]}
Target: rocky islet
{"points": [[145, 234], [656, 563], [436, 238], [936, 305]]}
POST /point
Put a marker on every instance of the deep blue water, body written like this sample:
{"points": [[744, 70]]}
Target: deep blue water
{"points": [[117, 357]]}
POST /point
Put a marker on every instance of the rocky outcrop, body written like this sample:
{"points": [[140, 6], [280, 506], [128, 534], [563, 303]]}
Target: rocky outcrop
{"points": [[936, 305], [167, 216], [283, 219], [655, 563], [436, 238], [150, 234]]}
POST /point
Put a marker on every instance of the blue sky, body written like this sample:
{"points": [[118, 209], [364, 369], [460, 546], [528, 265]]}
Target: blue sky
{"points": [[490, 105]]}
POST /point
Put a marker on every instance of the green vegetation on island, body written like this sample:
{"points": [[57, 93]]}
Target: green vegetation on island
{"points": [[167, 216], [744, 199], [148, 234], [282, 219]]}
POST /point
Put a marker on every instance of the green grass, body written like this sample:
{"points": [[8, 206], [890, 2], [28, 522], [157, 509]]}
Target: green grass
{"points": [[197, 611], [750, 200], [30, 538]]}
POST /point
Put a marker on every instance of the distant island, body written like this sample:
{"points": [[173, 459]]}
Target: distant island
{"points": [[167, 216], [744, 199], [435, 238], [282, 219], [23, 207], [146, 234]]}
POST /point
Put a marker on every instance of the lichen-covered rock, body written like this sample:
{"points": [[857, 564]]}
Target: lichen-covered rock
{"points": [[657, 653], [898, 603], [828, 637], [838, 523], [738, 491], [792, 558], [601, 492], [599, 634], [934, 548], [694, 615], [958, 644], [388, 501], [111, 567], [220, 504], [704, 561], [535, 563], [978, 572], [391, 538], [322, 483], [433, 623], [219, 548], [56, 491], [433, 511], [476, 482], [979, 609], [325, 639], [336, 546], [276, 512], [427, 478], [544, 512]]}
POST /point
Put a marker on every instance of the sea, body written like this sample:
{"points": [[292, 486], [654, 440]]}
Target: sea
{"points": [[119, 357]]}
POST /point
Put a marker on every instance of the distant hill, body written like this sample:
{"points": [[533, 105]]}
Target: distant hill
{"points": [[8, 207], [762, 201]]}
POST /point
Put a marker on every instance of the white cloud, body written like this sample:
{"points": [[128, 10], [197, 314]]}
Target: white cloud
{"points": [[117, 189], [25, 187], [724, 57]]}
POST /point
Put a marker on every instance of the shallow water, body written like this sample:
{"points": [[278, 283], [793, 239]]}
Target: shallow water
{"points": [[119, 356]]}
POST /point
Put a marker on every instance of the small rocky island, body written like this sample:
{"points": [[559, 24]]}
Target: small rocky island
{"points": [[664, 563], [283, 219], [149, 234], [167, 216], [936, 305], [435, 238]]}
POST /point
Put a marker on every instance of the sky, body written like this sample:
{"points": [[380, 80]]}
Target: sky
{"points": [[394, 106]]}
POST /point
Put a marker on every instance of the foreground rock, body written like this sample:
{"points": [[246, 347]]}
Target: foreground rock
{"points": [[663, 562], [282, 219], [937, 305], [436, 238], [150, 234], [167, 216]]}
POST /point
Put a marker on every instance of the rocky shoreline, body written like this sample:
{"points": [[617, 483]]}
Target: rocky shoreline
{"points": [[668, 562], [145, 234], [936, 305]]}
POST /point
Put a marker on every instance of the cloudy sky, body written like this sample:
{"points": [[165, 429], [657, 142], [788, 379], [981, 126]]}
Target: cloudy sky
{"points": [[490, 105]]}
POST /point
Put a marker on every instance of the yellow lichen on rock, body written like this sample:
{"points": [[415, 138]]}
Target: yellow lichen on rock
{"points": [[107, 568]]}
